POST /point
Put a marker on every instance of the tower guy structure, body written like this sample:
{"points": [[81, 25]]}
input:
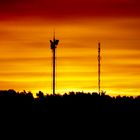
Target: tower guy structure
{"points": [[53, 44], [99, 68]]}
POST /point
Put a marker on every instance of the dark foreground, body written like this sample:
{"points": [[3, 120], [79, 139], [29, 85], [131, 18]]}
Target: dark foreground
{"points": [[73, 110], [69, 104]]}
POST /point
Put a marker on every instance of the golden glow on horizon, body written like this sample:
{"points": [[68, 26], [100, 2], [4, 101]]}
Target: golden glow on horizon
{"points": [[25, 55]]}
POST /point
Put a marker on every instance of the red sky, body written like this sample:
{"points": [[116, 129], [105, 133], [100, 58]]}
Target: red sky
{"points": [[71, 8]]}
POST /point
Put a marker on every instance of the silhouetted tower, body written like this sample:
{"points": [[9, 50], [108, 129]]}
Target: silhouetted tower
{"points": [[53, 44], [99, 67]]}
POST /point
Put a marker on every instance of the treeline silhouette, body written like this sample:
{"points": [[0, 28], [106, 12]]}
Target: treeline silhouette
{"points": [[73, 111], [71, 103]]}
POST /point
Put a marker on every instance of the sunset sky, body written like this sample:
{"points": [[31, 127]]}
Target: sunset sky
{"points": [[26, 26]]}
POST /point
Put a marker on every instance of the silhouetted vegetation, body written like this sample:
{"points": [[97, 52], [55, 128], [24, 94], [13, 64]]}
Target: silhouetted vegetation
{"points": [[76, 103], [74, 111]]}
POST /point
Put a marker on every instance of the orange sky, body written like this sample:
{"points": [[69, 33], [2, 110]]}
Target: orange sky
{"points": [[25, 54]]}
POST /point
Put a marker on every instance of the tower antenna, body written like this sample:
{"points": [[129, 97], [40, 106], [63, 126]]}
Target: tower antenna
{"points": [[53, 44], [53, 33], [99, 68]]}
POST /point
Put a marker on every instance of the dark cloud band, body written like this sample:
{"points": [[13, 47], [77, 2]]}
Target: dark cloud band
{"points": [[72, 8]]}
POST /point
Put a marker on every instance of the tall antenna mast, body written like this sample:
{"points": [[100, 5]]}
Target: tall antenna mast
{"points": [[53, 44], [99, 68]]}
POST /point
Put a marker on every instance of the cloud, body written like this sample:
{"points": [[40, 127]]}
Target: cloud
{"points": [[66, 9]]}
